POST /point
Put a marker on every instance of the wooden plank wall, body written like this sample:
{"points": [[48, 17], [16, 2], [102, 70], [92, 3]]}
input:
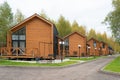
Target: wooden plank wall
{"points": [[74, 41]]}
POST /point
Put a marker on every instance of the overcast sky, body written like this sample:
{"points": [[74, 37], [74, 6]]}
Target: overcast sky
{"points": [[89, 13]]}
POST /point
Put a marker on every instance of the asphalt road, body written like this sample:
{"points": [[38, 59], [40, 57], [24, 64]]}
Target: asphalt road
{"points": [[86, 71]]}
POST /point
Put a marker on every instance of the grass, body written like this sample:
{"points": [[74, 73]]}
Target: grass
{"points": [[84, 58], [11, 63], [113, 66], [73, 60]]}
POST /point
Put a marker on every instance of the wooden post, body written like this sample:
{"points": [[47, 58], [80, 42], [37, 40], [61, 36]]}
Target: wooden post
{"points": [[17, 53], [1, 51]]}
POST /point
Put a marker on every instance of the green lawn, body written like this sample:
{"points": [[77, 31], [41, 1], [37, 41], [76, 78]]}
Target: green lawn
{"points": [[73, 60], [11, 63], [114, 66], [84, 58]]}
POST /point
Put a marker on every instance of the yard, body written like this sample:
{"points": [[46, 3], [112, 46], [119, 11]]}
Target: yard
{"points": [[13, 63], [85, 58], [113, 66], [72, 60]]}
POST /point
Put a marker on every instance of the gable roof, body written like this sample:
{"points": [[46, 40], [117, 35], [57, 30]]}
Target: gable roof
{"points": [[104, 42], [29, 18], [74, 33], [93, 39], [59, 37]]}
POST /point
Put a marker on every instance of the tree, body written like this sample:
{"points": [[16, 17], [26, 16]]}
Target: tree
{"points": [[42, 13], [111, 42], [116, 47], [19, 16], [99, 36], [80, 29], [75, 26], [104, 37], [113, 20], [63, 26], [6, 19], [91, 34]]}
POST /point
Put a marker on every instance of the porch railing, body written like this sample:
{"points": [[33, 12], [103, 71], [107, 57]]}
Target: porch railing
{"points": [[11, 51]]}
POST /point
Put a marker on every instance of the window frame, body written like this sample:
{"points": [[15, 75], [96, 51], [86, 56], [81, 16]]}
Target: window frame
{"points": [[18, 33]]}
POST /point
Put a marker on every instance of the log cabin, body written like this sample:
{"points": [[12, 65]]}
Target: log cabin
{"points": [[75, 44], [93, 47], [37, 37], [104, 48], [33, 37]]}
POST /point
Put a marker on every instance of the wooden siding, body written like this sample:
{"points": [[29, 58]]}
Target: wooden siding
{"points": [[9, 39], [76, 39], [94, 51], [99, 47], [39, 36], [105, 50]]}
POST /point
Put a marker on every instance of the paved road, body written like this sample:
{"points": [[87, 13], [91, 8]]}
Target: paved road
{"points": [[86, 71]]}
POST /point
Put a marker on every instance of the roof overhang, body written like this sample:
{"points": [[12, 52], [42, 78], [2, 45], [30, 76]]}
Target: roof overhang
{"points": [[29, 18]]}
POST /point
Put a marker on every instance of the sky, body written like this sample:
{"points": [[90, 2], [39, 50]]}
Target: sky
{"points": [[89, 13]]}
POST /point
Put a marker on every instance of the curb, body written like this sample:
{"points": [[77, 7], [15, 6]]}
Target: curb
{"points": [[45, 67], [109, 72], [101, 70]]}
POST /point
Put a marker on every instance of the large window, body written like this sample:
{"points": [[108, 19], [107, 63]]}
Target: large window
{"points": [[95, 44], [103, 45], [14, 37], [19, 38], [66, 41]]}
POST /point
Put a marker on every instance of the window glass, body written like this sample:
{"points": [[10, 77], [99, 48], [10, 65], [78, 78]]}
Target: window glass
{"points": [[14, 37], [21, 31], [103, 46], [15, 44], [21, 37], [94, 44], [22, 44], [66, 42]]}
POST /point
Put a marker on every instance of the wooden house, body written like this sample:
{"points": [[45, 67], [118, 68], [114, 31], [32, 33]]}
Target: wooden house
{"points": [[93, 47], [104, 48], [75, 44], [33, 37]]}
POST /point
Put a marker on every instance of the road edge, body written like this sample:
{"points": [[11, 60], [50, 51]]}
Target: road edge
{"points": [[51, 67], [101, 70]]}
